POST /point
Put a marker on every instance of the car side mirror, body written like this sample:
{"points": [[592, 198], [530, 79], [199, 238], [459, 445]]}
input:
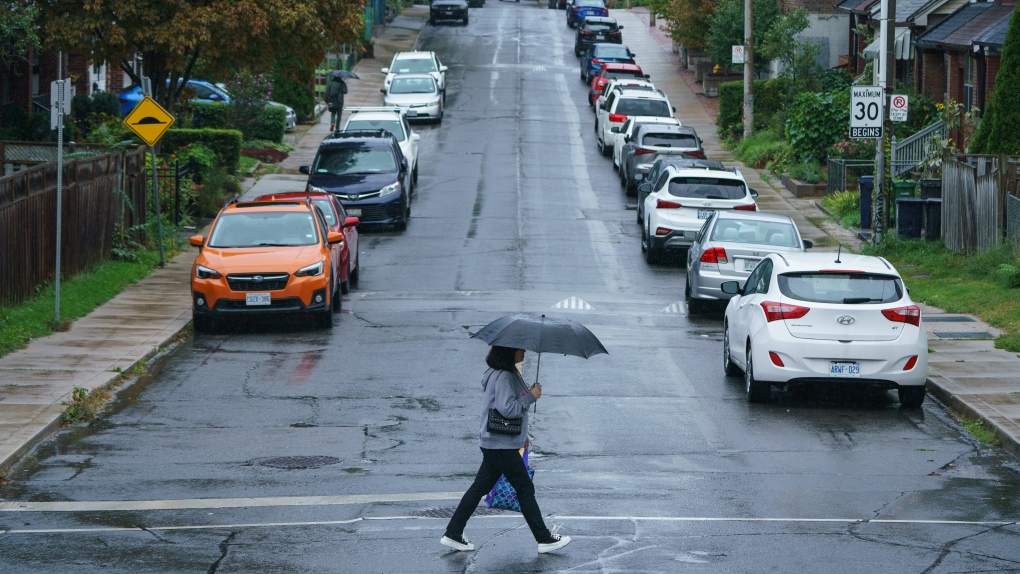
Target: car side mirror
{"points": [[619, 27], [352, 222], [415, 137], [648, 76], [730, 287], [383, 90], [808, 244], [644, 187], [674, 109], [754, 193], [334, 237], [443, 68], [196, 240], [307, 170], [615, 129], [385, 70], [700, 141], [403, 164]]}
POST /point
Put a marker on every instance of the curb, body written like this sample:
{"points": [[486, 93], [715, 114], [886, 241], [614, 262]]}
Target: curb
{"points": [[957, 405]]}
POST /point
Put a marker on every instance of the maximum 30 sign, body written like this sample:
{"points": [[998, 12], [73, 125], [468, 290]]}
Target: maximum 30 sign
{"points": [[866, 112]]}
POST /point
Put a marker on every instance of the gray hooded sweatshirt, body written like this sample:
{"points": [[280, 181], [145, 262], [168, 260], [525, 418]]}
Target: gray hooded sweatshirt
{"points": [[506, 392]]}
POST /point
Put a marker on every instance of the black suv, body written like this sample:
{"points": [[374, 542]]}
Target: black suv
{"points": [[597, 29], [448, 10], [367, 172]]}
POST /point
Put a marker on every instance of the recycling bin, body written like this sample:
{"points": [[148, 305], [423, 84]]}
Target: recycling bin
{"points": [[933, 218], [866, 183], [909, 216], [904, 187]]}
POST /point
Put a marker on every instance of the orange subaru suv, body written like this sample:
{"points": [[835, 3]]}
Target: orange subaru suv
{"points": [[266, 258]]}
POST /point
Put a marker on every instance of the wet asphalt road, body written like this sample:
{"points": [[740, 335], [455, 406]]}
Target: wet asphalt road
{"points": [[648, 457]]}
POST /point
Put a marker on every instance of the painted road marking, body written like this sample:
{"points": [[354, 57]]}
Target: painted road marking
{"points": [[515, 517], [125, 505], [572, 303], [675, 308]]}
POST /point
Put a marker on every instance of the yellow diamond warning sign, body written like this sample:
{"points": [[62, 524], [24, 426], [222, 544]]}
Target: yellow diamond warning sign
{"points": [[149, 120]]}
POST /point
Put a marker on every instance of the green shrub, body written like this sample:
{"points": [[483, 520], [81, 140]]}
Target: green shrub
{"points": [[226, 144], [806, 171], [1010, 275], [270, 124], [765, 149], [105, 103], [845, 207], [298, 95], [834, 79], [770, 98], [816, 122]]}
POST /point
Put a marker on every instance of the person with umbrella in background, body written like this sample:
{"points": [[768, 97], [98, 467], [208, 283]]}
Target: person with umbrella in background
{"points": [[505, 392], [335, 91]]}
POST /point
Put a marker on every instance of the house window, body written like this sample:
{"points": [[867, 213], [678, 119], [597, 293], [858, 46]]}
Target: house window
{"points": [[968, 83]]}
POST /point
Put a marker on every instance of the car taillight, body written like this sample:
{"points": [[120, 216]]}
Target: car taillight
{"points": [[641, 151], [911, 363], [576, 8], [596, 62], [911, 315], [662, 230], [663, 204], [615, 33], [695, 153], [600, 83], [774, 356], [617, 118], [779, 311], [748, 207], [715, 255], [586, 32]]}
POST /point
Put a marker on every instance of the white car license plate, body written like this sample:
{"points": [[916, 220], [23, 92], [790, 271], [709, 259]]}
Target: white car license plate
{"points": [[750, 264], [256, 299], [353, 213], [844, 369], [600, 36], [704, 213]]}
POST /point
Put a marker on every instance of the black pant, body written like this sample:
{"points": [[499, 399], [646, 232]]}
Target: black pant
{"points": [[496, 462]]}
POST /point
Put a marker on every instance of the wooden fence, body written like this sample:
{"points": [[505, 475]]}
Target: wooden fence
{"points": [[93, 203], [974, 191]]}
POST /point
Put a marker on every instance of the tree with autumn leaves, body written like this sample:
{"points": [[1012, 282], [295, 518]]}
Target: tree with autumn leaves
{"points": [[173, 36]]}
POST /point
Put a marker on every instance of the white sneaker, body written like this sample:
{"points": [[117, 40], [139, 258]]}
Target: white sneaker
{"points": [[461, 544], [555, 542]]}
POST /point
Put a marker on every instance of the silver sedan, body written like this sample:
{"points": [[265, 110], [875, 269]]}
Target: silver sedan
{"points": [[417, 94], [729, 246]]}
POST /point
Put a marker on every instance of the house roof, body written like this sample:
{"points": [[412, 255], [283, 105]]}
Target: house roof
{"points": [[856, 6], [904, 9], [995, 35], [934, 7], [963, 27]]}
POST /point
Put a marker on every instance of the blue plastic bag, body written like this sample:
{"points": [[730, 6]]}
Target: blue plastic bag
{"points": [[503, 495]]}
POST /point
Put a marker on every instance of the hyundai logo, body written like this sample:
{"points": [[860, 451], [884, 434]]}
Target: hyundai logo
{"points": [[257, 278], [845, 320]]}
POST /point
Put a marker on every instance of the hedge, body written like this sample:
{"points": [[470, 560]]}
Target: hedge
{"points": [[769, 99], [271, 125], [226, 144]]}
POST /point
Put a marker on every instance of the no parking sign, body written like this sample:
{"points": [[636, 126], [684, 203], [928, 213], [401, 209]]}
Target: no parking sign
{"points": [[898, 108]]}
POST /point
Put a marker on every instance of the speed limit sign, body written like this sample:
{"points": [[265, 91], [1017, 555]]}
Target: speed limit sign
{"points": [[866, 112]]}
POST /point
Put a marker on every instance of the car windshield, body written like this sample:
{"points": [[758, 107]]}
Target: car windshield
{"points": [[412, 65], [354, 159], [670, 140], [413, 86], [707, 188], [612, 51], [392, 126], [597, 3], [600, 26], [327, 210], [756, 232], [623, 74], [643, 107], [840, 287], [263, 228]]}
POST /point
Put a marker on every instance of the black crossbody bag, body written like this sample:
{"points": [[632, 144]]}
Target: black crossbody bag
{"points": [[499, 424]]}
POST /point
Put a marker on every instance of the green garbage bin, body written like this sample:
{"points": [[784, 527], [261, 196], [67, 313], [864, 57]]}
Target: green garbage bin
{"points": [[904, 187]]}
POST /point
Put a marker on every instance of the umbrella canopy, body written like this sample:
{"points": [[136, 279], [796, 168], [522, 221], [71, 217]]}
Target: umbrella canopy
{"points": [[541, 335], [343, 74]]}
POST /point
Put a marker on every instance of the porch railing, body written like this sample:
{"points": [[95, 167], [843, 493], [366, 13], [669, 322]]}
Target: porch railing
{"points": [[909, 153]]}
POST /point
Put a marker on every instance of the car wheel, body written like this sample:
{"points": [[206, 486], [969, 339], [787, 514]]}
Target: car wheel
{"points": [[345, 288], [324, 320], [694, 306], [414, 175], [651, 253], [355, 276], [729, 367], [432, 21], [629, 187], [606, 150], [911, 397], [640, 220], [402, 224], [623, 176], [202, 324], [755, 390], [465, 20]]}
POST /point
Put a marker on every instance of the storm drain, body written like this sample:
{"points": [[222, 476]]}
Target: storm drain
{"points": [[947, 319], [447, 512], [963, 335], [299, 462]]}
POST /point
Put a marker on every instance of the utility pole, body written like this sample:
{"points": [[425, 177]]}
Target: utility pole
{"points": [[59, 85], [748, 68], [886, 78]]}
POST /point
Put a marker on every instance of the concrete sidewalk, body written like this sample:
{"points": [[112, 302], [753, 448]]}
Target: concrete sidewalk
{"points": [[967, 374], [148, 315]]}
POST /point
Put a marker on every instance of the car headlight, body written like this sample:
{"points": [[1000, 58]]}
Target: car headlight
{"points": [[316, 189], [312, 270], [203, 272], [435, 103], [390, 189]]}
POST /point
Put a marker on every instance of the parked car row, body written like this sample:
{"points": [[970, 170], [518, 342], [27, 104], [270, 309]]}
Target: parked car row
{"points": [[200, 91], [452, 10], [792, 318]]}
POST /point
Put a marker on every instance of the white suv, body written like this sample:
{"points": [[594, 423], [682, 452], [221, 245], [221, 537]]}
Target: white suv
{"points": [[681, 199], [417, 63], [393, 120], [621, 104]]}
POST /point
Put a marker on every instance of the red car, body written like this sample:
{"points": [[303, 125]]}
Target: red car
{"points": [[337, 220], [611, 71]]}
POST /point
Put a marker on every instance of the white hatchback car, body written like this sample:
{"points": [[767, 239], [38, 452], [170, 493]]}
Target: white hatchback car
{"points": [[680, 200], [810, 318], [417, 63], [619, 105], [393, 120], [417, 94]]}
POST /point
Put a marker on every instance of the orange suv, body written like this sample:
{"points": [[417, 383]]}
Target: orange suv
{"points": [[266, 258]]}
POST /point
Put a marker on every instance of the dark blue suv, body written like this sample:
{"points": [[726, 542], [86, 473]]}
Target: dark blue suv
{"points": [[367, 172]]}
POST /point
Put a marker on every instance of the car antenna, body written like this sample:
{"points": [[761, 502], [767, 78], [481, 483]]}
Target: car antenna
{"points": [[838, 252]]}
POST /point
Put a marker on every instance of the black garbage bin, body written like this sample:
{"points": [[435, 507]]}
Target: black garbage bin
{"points": [[866, 183], [909, 216], [933, 219], [931, 188]]}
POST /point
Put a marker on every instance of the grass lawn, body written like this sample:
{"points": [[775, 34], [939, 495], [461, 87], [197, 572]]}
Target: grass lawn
{"points": [[960, 284], [78, 297]]}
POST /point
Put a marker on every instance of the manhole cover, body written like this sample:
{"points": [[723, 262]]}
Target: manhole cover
{"points": [[299, 462], [447, 512]]}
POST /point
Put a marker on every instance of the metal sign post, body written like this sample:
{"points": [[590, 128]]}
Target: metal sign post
{"points": [[60, 104]]}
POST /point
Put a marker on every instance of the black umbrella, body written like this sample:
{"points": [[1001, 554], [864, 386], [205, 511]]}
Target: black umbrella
{"points": [[541, 335], [343, 75]]}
